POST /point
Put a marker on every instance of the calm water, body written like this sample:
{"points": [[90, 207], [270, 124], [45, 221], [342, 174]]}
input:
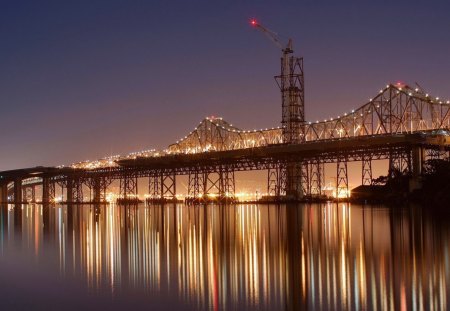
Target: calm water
{"points": [[288, 257]]}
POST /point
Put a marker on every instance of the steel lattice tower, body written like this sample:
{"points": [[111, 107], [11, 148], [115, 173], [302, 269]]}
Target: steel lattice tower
{"points": [[292, 86]]}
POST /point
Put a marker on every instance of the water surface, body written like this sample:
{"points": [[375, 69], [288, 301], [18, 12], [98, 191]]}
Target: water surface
{"points": [[273, 257]]}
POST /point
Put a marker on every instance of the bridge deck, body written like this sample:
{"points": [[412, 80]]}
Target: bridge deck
{"points": [[252, 158], [327, 149]]}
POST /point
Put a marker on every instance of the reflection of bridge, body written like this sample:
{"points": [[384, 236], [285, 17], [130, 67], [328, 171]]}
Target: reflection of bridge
{"points": [[401, 124]]}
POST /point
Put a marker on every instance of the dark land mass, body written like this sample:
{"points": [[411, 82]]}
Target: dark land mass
{"points": [[394, 189]]}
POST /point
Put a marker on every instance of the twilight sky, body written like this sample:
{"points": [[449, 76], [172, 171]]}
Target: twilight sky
{"points": [[85, 79]]}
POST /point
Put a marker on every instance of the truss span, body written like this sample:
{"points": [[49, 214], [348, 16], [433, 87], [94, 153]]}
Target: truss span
{"points": [[397, 109], [215, 134]]}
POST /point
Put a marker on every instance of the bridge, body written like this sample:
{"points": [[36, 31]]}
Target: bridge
{"points": [[401, 124]]}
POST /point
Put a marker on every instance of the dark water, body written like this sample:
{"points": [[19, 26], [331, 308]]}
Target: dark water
{"points": [[295, 257]]}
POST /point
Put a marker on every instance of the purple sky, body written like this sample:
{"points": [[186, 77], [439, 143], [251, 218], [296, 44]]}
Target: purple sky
{"points": [[92, 78]]}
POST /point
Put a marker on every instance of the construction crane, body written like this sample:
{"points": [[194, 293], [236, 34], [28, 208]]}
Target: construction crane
{"points": [[291, 84]]}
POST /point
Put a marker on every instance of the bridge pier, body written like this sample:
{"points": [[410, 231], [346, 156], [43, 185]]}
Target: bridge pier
{"points": [[227, 185], [128, 187], [74, 190], [162, 186], [29, 194], [418, 159], [275, 181], [196, 189], [18, 191], [99, 185], [366, 176], [154, 186], [342, 178], [215, 185], [400, 161], [4, 192], [316, 177], [212, 184], [168, 186], [48, 190], [293, 181]]}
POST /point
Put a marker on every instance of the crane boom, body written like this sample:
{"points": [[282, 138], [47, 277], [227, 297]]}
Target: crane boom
{"points": [[273, 36]]}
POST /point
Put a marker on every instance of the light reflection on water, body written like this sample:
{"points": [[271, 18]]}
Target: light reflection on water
{"points": [[250, 256]]}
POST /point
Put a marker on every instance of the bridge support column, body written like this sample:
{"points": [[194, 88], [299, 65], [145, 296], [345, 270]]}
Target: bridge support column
{"points": [[306, 178], [33, 194], [154, 186], [366, 176], [69, 188], [129, 187], [342, 179], [4, 193], [29, 194], [168, 186], [227, 184], [196, 185], [418, 159], [99, 186], [18, 191], [48, 190], [219, 185], [317, 177], [400, 161], [211, 184], [75, 190], [275, 181], [293, 181]]}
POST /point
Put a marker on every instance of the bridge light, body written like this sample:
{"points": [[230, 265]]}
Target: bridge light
{"points": [[416, 89], [353, 110], [370, 99], [410, 94], [426, 95], [381, 91], [437, 98], [448, 101]]}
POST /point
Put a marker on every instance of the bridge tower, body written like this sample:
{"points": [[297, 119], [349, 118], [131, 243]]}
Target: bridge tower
{"points": [[292, 86]]}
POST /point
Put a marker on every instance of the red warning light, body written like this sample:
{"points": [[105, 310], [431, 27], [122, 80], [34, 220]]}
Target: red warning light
{"points": [[253, 22]]}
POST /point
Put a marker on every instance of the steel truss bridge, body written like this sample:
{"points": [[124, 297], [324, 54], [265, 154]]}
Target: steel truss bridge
{"points": [[403, 125]]}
